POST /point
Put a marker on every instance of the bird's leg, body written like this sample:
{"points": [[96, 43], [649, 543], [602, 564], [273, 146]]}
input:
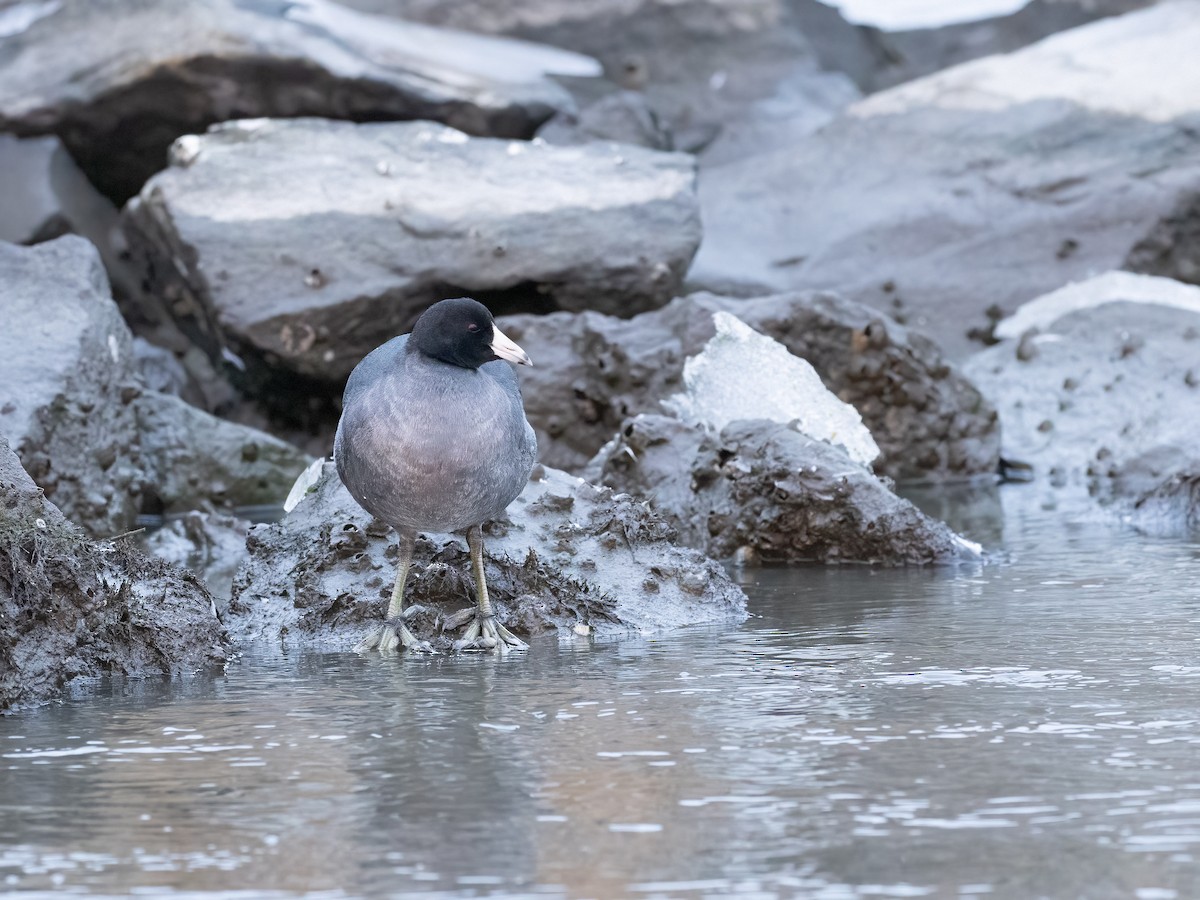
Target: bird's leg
{"points": [[485, 633], [394, 632]]}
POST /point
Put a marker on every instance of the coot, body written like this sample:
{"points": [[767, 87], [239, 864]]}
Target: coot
{"points": [[433, 437]]}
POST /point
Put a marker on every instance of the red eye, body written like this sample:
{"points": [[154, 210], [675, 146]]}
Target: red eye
{"points": [[472, 327]]}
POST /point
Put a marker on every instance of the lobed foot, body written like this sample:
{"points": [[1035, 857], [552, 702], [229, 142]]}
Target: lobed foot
{"points": [[485, 633], [391, 636]]}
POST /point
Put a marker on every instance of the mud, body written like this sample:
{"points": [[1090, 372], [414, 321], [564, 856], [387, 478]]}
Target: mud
{"points": [[72, 609], [210, 545], [571, 558]]}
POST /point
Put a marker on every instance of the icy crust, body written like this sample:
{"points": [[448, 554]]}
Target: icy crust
{"points": [[741, 374]]}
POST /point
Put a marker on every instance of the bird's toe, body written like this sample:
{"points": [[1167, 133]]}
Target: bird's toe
{"points": [[371, 641], [391, 637], [486, 633]]}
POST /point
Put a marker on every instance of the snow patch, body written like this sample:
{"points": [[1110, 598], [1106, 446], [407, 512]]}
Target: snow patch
{"points": [[16, 19], [1111, 287], [741, 374], [902, 15]]}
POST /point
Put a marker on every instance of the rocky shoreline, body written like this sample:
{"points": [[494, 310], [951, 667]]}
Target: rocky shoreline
{"points": [[768, 264]]}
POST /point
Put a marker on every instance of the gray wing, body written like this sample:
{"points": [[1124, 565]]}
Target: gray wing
{"points": [[383, 360]]}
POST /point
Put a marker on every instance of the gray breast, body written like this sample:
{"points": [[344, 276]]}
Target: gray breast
{"points": [[430, 446]]}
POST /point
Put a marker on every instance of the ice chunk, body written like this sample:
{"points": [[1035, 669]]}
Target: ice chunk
{"points": [[304, 483], [971, 547], [741, 374], [1111, 287]]}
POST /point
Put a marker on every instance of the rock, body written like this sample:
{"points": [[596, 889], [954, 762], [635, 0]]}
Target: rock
{"points": [[708, 68], [166, 69], [32, 211], [159, 369], [916, 52], [571, 558], [293, 248], [66, 363], [191, 458], [591, 372], [1157, 492], [72, 609], [46, 196], [210, 545], [75, 410], [760, 491], [801, 104], [624, 117], [791, 485], [1170, 249], [982, 186], [1107, 396]]}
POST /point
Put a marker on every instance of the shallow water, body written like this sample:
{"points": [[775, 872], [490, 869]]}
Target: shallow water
{"points": [[1030, 728]]}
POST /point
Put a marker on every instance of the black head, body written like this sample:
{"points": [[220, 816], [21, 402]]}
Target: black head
{"points": [[461, 332]]}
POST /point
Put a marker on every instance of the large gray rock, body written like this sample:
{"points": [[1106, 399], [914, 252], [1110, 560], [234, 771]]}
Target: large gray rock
{"points": [[1172, 248], [921, 51], [622, 116], [191, 458], [762, 492], [591, 372], [72, 610], [301, 245], [569, 558], [747, 75], [1099, 383], [68, 386], [740, 72], [1158, 492], [46, 196], [1098, 387], [982, 186], [119, 80], [74, 409], [33, 208]]}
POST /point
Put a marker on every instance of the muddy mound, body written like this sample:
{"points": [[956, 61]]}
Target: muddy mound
{"points": [[72, 608]]}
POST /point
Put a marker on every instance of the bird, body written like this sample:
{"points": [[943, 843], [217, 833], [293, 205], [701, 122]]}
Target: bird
{"points": [[433, 437]]}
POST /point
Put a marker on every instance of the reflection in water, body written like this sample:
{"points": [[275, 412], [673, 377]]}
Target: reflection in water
{"points": [[1028, 728]]}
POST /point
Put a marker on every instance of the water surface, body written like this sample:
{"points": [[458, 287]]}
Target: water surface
{"points": [[1030, 728]]}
